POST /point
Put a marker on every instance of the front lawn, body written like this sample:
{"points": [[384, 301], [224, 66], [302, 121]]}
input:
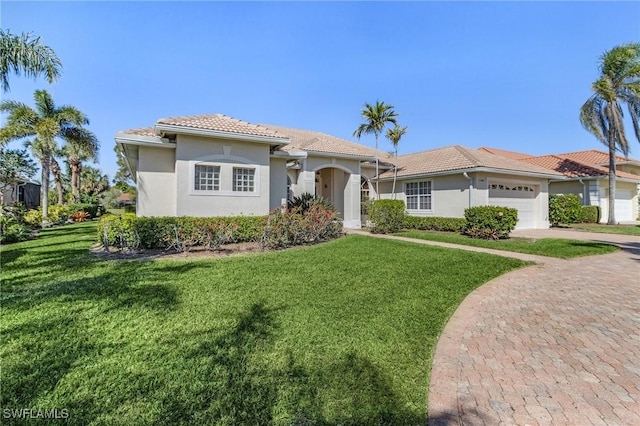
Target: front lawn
{"points": [[553, 247], [609, 229], [339, 333]]}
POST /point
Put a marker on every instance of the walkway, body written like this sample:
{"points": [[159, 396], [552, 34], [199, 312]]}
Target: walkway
{"points": [[557, 343]]}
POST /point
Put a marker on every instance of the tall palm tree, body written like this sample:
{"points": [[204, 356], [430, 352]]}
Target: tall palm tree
{"points": [[25, 53], [82, 145], [376, 118], [601, 114], [46, 123], [394, 135]]}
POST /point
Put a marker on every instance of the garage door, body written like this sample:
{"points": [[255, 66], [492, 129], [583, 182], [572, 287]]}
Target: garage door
{"points": [[517, 196], [623, 206]]}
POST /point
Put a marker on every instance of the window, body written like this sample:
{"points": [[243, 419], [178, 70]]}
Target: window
{"points": [[207, 178], [418, 195], [243, 179]]}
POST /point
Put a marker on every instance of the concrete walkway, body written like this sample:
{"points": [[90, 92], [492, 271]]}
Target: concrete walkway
{"points": [[557, 343]]}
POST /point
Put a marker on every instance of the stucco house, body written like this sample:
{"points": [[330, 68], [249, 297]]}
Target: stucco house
{"points": [[213, 165], [586, 173]]}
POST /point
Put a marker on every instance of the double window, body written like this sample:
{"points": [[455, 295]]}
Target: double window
{"points": [[224, 179], [418, 195]]}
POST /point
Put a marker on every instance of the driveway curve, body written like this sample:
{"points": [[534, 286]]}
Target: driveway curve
{"points": [[554, 343]]}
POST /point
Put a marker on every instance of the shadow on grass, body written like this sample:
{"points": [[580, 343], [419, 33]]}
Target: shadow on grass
{"points": [[240, 385]]}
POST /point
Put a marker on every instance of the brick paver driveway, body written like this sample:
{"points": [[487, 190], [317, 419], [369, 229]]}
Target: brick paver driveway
{"points": [[554, 343]]}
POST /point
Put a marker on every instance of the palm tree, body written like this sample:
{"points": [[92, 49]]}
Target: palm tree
{"points": [[26, 54], [602, 115], [45, 123], [82, 145], [394, 135], [56, 171], [376, 118]]}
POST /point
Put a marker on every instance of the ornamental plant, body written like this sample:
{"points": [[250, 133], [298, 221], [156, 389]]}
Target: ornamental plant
{"points": [[387, 216], [490, 222]]}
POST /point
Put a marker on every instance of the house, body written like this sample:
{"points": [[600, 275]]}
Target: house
{"points": [[25, 192], [586, 173], [215, 165]]}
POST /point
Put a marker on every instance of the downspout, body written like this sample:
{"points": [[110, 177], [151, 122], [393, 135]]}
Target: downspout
{"points": [[584, 192], [470, 185]]}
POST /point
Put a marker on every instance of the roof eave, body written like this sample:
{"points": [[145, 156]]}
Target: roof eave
{"points": [[172, 128], [340, 155], [476, 170]]}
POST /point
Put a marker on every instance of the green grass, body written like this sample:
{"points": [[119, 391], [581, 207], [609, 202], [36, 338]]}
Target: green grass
{"points": [[552, 247], [609, 229], [339, 333]]}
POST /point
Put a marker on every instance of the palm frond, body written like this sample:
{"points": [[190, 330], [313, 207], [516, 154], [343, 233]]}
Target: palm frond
{"points": [[591, 118]]}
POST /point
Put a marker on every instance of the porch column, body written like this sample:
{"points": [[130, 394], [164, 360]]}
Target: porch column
{"points": [[352, 202]]}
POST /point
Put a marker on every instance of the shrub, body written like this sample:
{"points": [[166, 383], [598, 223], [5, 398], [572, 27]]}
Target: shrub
{"points": [[80, 216], [129, 209], [306, 200], [387, 216], [93, 210], [564, 209], [295, 227], [590, 214], [118, 231], [431, 223], [12, 232], [33, 218], [59, 214], [490, 222]]}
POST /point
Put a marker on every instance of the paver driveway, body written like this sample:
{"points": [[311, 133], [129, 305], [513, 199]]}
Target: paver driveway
{"points": [[555, 343]]}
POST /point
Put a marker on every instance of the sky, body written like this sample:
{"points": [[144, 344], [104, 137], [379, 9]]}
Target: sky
{"points": [[509, 75]]}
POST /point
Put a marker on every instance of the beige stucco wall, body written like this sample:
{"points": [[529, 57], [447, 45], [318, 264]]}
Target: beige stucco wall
{"points": [[569, 187], [620, 186], [278, 182], [156, 180], [227, 154]]}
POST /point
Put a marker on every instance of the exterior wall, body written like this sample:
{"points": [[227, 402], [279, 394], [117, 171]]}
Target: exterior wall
{"points": [[603, 186], [192, 150], [571, 187], [156, 179], [452, 194], [277, 182]]}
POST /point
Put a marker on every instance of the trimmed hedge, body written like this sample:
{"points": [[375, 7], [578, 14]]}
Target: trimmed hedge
{"points": [[590, 214], [432, 223], [490, 222], [564, 209], [180, 233], [387, 216]]}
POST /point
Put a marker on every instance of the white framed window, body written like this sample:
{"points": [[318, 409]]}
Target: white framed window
{"points": [[207, 178], [243, 179], [418, 195]]}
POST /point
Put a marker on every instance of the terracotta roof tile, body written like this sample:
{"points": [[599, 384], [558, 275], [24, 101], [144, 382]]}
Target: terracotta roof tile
{"points": [[571, 166], [458, 157], [220, 123], [144, 131], [508, 154], [320, 142]]}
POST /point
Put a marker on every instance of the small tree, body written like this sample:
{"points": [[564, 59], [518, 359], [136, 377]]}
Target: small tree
{"points": [[394, 135]]}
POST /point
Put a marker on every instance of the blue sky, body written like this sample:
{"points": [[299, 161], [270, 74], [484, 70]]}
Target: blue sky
{"points": [[511, 75]]}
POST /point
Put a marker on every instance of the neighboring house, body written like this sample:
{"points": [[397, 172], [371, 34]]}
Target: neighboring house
{"points": [[214, 165], [25, 192], [586, 173], [126, 199]]}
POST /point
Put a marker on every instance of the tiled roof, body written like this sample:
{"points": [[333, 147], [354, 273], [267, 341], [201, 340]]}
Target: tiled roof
{"points": [[320, 142], [144, 131], [508, 154], [592, 156], [461, 158], [570, 166], [220, 123]]}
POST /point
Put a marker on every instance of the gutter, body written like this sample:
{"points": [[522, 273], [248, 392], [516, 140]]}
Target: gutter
{"points": [[470, 185], [170, 128]]}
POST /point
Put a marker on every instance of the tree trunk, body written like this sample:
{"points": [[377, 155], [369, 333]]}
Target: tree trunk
{"points": [[55, 170], [75, 174], [377, 170], [395, 175], [44, 189], [612, 176]]}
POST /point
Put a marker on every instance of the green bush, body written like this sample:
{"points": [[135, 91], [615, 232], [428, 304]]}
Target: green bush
{"points": [[590, 214], [490, 222], [118, 231], [296, 227], [432, 223], [564, 209], [94, 210], [306, 200], [386, 216], [59, 214], [129, 209], [12, 232], [33, 218]]}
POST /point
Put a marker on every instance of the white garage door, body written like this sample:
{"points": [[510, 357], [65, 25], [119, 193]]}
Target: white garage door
{"points": [[623, 206], [517, 196]]}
